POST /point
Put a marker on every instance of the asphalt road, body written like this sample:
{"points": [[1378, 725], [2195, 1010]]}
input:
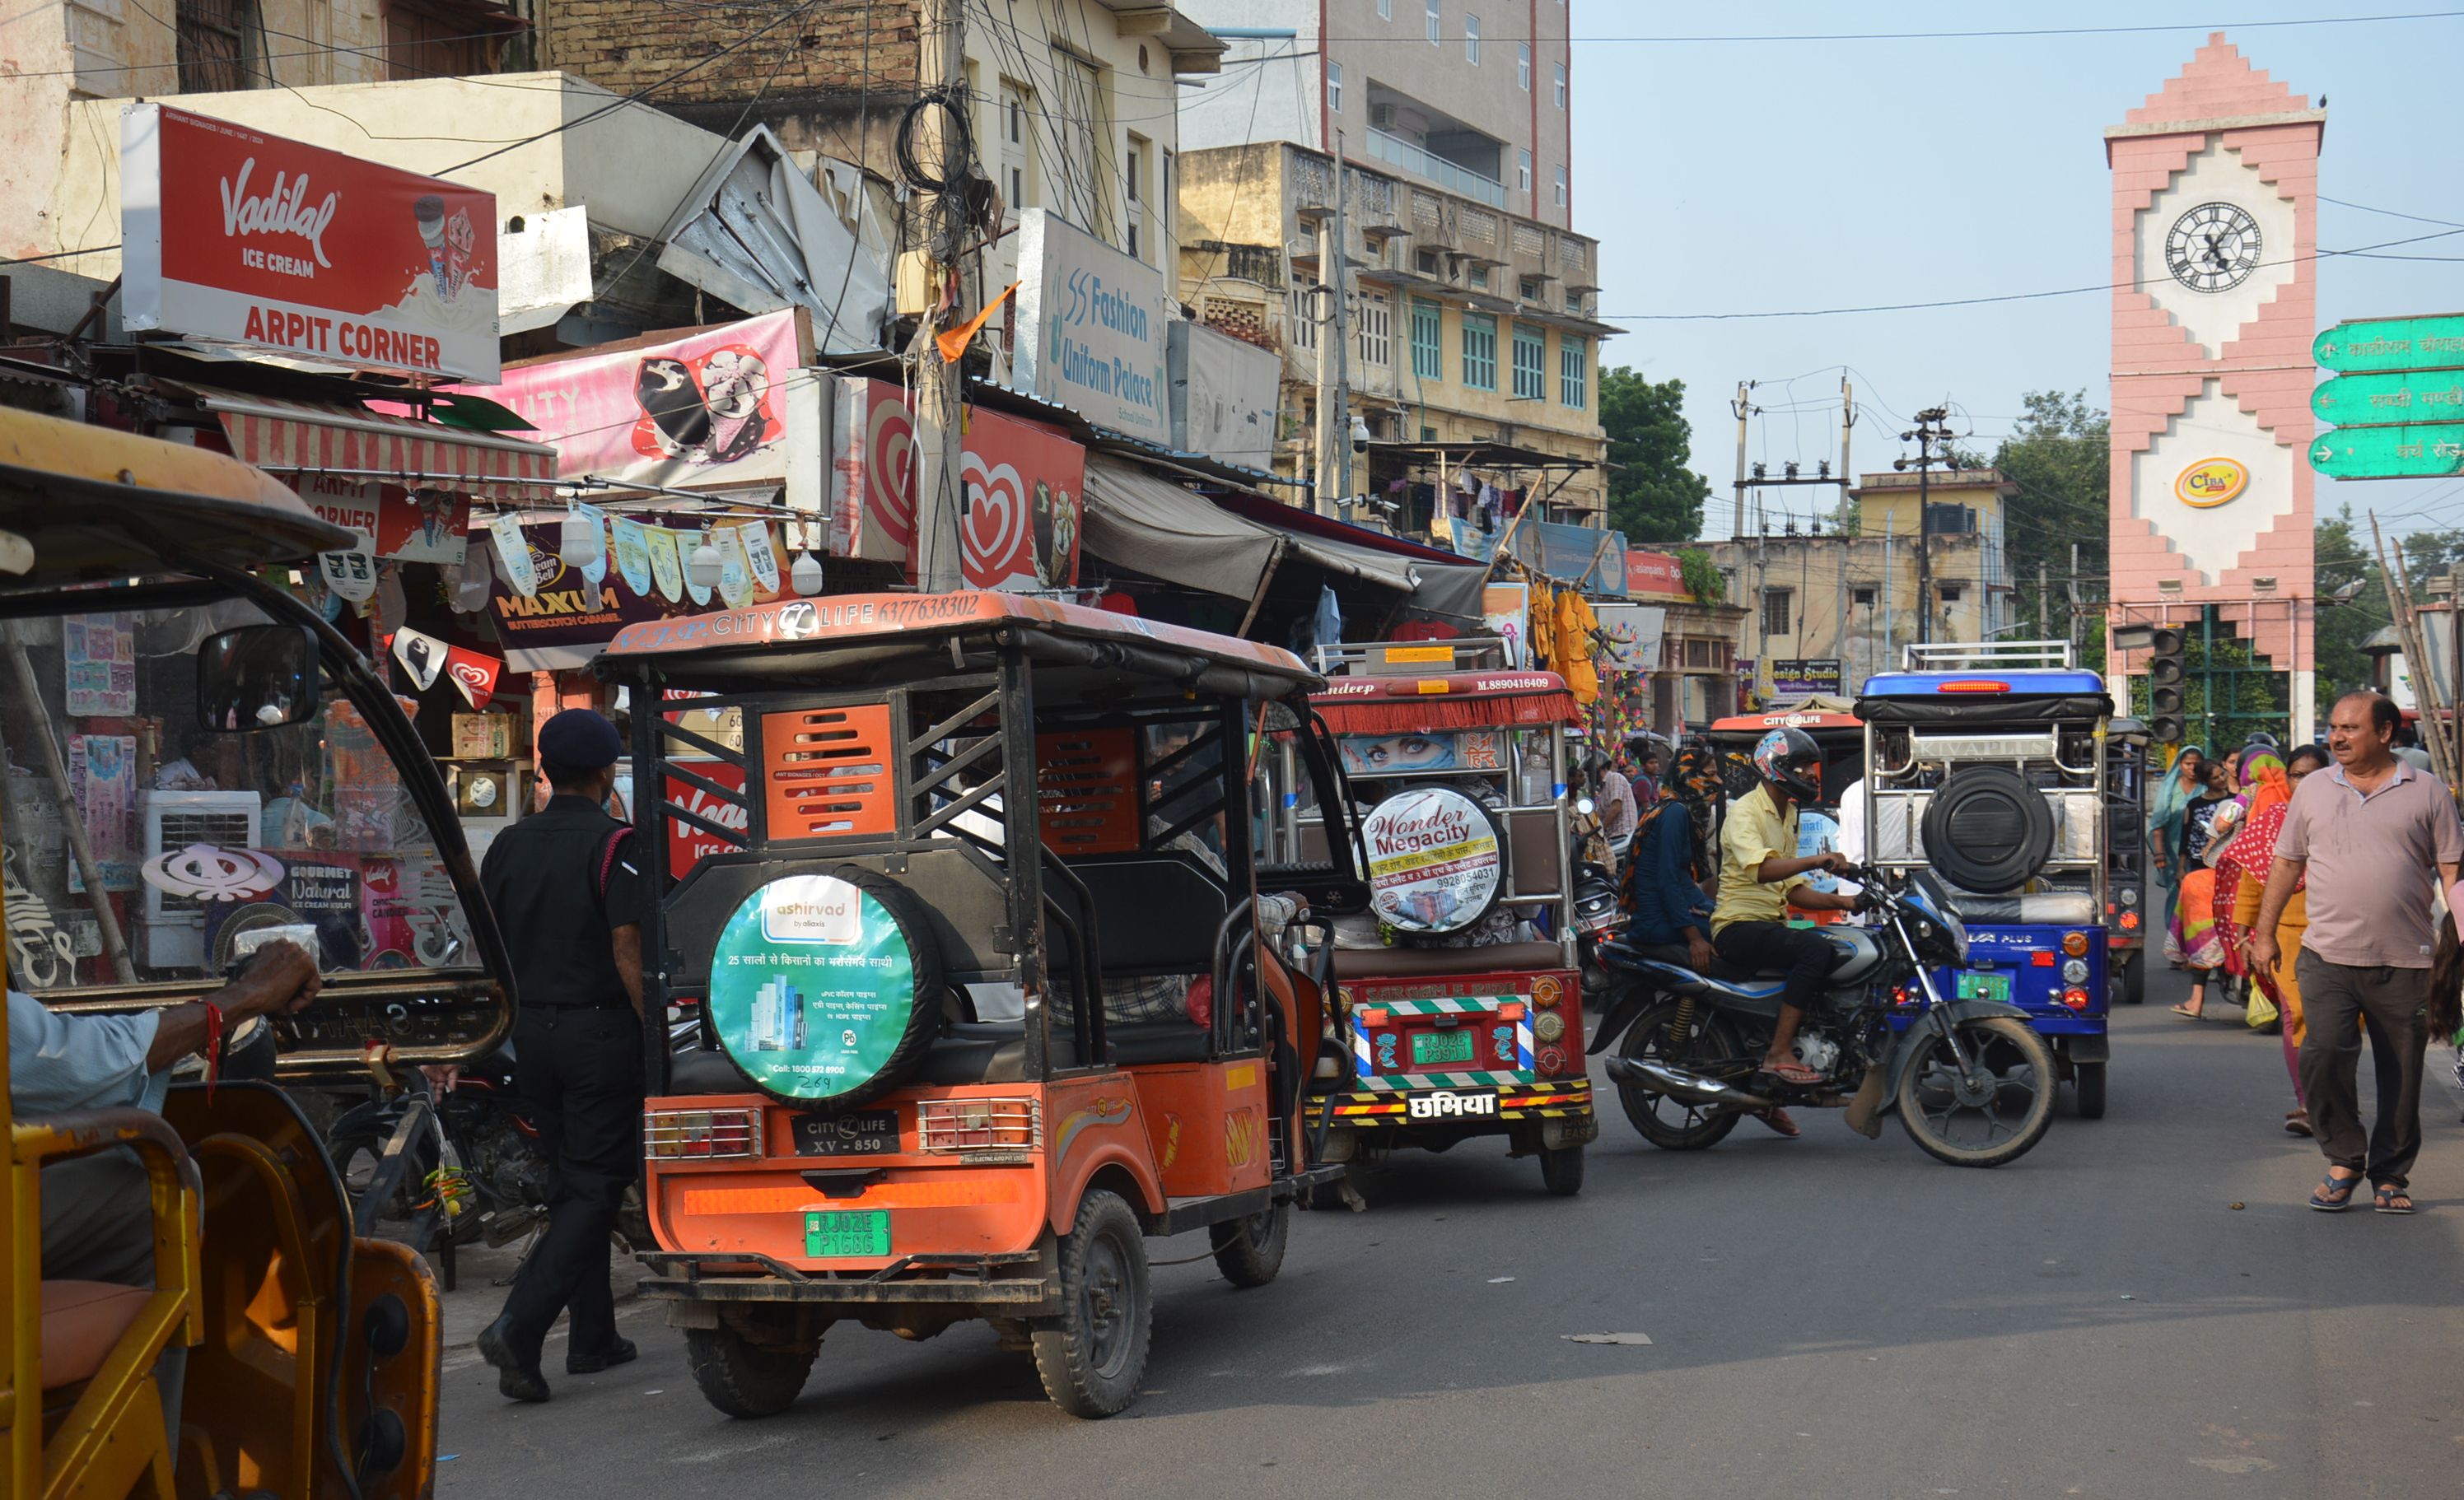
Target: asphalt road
{"points": [[1828, 1316]]}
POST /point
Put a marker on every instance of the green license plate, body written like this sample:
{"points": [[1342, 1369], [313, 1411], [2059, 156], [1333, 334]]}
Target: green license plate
{"points": [[1985, 987], [830, 1233], [1429, 1048]]}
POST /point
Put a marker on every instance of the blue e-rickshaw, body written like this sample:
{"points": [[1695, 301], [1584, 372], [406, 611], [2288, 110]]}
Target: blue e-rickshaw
{"points": [[1989, 765]]}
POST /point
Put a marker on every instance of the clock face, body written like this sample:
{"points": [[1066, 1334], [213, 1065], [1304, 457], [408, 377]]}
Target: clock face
{"points": [[2214, 248]]}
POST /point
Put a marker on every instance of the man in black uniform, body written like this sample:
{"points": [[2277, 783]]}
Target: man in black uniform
{"points": [[567, 892]]}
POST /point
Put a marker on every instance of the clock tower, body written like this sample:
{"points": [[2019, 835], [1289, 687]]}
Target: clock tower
{"points": [[2215, 183]]}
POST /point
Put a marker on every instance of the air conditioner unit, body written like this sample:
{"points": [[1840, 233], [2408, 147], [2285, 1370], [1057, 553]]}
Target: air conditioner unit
{"points": [[1381, 116], [174, 926]]}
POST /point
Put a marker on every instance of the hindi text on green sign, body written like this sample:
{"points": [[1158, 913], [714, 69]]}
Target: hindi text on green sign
{"points": [[2394, 343], [2421, 451], [2408, 396]]}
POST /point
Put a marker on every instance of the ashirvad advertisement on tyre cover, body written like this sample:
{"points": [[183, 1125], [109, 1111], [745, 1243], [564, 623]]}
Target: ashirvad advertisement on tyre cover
{"points": [[812, 986]]}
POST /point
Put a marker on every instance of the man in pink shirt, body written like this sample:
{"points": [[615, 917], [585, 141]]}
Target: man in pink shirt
{"points": [[2372, 831]]}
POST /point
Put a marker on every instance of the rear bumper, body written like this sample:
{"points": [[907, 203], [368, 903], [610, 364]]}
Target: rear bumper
{"points": [[1023, 1285], [1560, 1112]]}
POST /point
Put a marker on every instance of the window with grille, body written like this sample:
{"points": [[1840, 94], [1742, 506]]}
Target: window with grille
{"points": [[1436, 23], [1562, 193], [1471, 39], [215, 40], [1531, 355], [1334, 87], [1305, 317], [1375, 339], [1523, 173], [1775, 603], [1479, 351], [1573, 373], [1561, 85], [1428, 361], [425, 43], [1522, 66], [1479, 277]]}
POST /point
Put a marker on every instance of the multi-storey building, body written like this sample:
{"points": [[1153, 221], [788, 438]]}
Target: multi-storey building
{"points": [[1474, 338]]}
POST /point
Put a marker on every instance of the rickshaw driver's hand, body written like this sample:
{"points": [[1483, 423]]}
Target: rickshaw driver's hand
{"points": [[280, 979], [1833, 861]]}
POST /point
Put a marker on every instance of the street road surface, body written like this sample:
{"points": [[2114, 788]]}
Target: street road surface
{"points": [[1828, 1316]]}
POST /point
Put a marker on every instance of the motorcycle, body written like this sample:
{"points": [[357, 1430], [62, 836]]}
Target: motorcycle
{"points": [[1973, 1084]]}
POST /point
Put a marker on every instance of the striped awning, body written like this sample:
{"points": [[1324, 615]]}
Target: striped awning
{"points": [[297, 437]]}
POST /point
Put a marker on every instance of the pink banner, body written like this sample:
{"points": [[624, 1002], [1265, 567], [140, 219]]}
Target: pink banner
{"points": [[703, 411], [1019, 530]]}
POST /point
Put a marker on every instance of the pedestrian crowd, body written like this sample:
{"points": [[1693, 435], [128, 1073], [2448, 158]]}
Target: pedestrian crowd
{"points": [[2316, 887]]}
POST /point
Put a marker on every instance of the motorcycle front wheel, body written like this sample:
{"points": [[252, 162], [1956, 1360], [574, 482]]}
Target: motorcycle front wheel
{"points": [[1987, 1121], [1666, 1122]]}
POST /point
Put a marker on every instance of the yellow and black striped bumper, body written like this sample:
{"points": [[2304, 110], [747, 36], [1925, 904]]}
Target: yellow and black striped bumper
{"points": [[1566, 1101]]}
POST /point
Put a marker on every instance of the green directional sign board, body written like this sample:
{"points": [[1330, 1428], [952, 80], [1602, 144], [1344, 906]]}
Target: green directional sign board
{"points": [[2417, 451], [2392, 343], [2408, 396]]}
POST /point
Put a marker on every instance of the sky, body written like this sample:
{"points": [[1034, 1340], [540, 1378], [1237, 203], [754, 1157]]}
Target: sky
{"points": [[1782, 175]]}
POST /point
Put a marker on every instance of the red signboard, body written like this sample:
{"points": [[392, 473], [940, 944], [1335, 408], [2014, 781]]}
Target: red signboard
{"points": [[1654, 575], [1021, 525], [709, 408], [236, 236], [688, 844]]}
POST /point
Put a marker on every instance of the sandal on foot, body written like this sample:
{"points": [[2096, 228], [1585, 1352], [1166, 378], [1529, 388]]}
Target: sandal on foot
{"points": [[1795, 1074], [2297, 1122], [2387, 1198], [1779, 1123], [2187, 1014], [2335, 1195]]}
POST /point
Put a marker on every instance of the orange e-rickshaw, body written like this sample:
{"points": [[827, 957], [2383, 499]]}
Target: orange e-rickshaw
{"points": [[992, 985], [1459, 1008]]}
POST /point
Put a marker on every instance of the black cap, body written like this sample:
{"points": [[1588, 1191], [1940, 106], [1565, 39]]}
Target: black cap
{"points": [[579, 740]]}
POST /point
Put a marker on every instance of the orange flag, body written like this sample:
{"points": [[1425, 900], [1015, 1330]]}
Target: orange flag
{"points": [[953, 343]]}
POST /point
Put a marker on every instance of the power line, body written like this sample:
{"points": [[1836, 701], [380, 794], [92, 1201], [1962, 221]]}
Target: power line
{"points": [[1416, 38], [2007, 296]]}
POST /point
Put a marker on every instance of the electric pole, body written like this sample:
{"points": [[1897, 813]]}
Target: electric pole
{"points": [[1932, 438], [1744, 408], [1334, 375], [940, 430]]}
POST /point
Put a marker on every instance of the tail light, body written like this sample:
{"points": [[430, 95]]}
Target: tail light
{"points": [[2130, 922], [978, 1124], [2076, 999], [701, 1135], [2075, 943], [1549, 1027]]}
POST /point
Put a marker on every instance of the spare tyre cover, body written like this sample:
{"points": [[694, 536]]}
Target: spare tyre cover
{"points": [[1436, 863], [1987, 830], [824, 989]]}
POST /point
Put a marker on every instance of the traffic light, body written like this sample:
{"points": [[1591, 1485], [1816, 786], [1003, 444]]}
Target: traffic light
{"points": [[2166, 671]]}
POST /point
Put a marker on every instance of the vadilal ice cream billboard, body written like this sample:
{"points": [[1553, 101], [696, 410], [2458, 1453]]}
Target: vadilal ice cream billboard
{"points": [[235, 236]]}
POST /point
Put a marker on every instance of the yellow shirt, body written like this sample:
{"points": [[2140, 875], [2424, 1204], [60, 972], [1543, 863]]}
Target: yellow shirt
{"points": [[1756, 830]]}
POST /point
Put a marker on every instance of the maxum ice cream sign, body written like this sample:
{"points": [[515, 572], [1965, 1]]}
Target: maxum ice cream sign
{"points": [[1092, 332], [238, 237]]}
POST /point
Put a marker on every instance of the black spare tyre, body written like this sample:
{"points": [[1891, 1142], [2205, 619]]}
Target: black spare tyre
{"points": [[1987, 830], [826, 987]]}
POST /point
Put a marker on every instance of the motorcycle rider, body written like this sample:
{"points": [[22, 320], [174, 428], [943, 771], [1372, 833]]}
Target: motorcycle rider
{"points": [[1761, 876]]}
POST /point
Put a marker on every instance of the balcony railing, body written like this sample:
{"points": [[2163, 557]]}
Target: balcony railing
{"points": [[1396, 151]]}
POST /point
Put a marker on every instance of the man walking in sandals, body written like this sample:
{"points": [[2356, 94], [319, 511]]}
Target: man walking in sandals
{"points": [[2372, 830]]}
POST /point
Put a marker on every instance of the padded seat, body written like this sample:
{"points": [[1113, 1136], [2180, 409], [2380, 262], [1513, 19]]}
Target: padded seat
{"points": [[1418, 962], [82, 1322]]}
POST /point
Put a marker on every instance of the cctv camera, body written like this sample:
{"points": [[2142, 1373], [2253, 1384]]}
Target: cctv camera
{"points": [[1359, 435]]}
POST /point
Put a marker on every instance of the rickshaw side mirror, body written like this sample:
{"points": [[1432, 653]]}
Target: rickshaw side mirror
{"points": [[256, 677]]}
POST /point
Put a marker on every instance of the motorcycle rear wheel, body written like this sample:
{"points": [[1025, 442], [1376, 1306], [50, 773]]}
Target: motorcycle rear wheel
{"points": [[2006, 1121], [1662, 1120]]}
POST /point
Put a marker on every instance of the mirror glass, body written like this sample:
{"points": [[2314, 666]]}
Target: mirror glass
{"points": [[256, 677]]}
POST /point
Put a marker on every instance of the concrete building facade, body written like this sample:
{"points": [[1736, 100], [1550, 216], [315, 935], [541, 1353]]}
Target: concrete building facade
{"points": [[1852, 598]]}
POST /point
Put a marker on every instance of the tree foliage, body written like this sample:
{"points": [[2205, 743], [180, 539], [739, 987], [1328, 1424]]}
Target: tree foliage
{"points": [[1653, 495], [2060, 457], [2342, 560]]}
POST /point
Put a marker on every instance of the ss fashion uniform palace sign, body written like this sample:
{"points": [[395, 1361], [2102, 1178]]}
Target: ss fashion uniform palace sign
{"points": [[238, 237]]}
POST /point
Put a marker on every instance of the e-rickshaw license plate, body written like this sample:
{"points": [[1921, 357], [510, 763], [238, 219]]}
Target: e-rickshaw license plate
{"points": [[865, 1133], [846, 1233], [1985, 987]]}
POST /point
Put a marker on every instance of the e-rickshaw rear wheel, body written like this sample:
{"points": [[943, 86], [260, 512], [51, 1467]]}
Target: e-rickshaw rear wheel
{"points": [[2089, 1078], [743, 1379], [1561, 1172], [1093, 1356], [1250, 1251]]}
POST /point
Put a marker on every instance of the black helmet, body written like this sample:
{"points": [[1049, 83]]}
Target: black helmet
{"points": [[1790, 758]]}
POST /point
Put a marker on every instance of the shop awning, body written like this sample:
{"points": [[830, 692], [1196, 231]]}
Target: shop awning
{"points": [[297, 437], [1165, 531]]}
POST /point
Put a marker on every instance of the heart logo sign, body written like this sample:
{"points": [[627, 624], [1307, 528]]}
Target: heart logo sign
{"points": [[890, 470], [474, 674]]}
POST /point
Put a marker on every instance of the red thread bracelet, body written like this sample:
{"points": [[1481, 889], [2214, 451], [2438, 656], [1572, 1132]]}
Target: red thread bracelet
{"points": [[213, 1048]]}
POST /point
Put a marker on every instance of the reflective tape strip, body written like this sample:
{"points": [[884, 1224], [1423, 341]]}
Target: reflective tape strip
{"points": [[881, 1195]]}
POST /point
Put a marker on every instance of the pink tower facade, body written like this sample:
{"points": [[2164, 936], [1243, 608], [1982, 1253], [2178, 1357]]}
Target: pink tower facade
{"points": [[2215, 183]]}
